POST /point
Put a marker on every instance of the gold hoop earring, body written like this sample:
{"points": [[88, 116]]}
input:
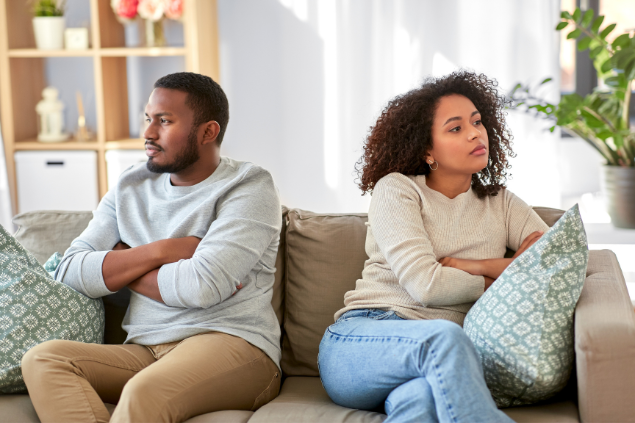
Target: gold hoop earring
{"points": [[430, 165]]}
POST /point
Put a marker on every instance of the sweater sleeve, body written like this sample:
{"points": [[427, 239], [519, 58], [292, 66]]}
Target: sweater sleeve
{"points": [[521, 220], [81, 265], [247, 222], [397, 225]]}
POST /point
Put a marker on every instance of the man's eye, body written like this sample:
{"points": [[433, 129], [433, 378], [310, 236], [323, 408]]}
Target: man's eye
{"points": [[163, 121], [148, 120]]}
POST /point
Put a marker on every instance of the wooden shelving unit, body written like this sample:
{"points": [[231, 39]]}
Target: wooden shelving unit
{"points": [[22, 77]]}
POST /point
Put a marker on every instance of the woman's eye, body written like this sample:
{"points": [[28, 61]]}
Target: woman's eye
{"points": [[164, 121], [455, 129], [478, 122]]}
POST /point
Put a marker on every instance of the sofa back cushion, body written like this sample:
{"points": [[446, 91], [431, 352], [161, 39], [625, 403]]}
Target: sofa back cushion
{"points": [[43, 233], [325, 257]]}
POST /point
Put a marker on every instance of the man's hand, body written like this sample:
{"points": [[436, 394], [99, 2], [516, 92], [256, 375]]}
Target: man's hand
{"points": [[176, 249], [528, 242], [123, 264], [148, 286]]}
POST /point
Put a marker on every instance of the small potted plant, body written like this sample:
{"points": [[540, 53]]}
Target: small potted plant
{"points": [[601, 118], [152, 12], [49, 24]]}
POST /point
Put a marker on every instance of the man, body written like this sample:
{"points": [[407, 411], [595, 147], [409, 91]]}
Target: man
{"points": [[194, 236]]}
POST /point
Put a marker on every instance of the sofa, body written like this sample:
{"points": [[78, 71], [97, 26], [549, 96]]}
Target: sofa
{"points": [[320, 258]]}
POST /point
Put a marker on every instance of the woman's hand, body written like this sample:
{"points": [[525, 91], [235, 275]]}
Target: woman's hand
{"points": [[528, 242], [473, 267], [478, 267]]}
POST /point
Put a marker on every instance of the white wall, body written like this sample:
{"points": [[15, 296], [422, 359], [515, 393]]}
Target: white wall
{"points": [[306, 79]]}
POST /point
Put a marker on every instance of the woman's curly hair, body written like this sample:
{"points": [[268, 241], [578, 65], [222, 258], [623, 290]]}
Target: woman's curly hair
{"points": [[402, 135]]}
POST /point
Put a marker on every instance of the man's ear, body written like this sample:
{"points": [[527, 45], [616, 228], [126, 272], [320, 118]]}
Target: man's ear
{"points": [[212, 129]]}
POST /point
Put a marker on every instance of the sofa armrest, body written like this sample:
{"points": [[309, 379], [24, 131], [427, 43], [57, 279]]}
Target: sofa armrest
{"points": [[605, 343]]}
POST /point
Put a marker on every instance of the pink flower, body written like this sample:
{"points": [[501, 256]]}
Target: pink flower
{"points": [[126, 9], [173, 9], [151, 9]]}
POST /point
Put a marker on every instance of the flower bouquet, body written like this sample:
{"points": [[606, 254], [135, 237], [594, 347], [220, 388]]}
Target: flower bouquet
{"points": [[153, 12]]}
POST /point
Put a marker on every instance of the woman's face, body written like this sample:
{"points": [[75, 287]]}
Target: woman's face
{"points": [[459, 139]]}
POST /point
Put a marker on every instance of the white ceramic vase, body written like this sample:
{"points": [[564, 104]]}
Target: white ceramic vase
{"points": [[49, 32]]}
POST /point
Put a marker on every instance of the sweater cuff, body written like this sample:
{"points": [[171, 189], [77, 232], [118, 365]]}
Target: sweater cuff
{"points": [[92, 277], [166, 279]]}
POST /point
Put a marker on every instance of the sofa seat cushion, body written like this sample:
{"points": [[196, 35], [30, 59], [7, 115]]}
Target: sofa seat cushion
{"points": [[557, 412], [19, 409], [303, 399]]}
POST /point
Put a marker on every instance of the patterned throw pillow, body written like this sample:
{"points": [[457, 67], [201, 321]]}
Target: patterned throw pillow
{"points": [[35, 308], [522, 327]]}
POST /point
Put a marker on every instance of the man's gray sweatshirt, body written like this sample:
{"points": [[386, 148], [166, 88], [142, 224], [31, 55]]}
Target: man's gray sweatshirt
{"points": [[236, 213]]}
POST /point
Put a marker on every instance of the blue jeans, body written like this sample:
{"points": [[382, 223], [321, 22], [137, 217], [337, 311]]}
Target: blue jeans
{"points": [[420, 370]]}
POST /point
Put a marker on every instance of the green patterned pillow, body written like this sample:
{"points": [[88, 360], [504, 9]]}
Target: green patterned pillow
{"points": [[35, 308], [522, 327]]}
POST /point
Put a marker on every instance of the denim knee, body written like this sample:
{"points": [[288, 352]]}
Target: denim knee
{"points": [[452, 336]]}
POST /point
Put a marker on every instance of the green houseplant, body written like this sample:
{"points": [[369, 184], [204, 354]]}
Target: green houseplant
{"points": [[602, 117], [49, 24]]}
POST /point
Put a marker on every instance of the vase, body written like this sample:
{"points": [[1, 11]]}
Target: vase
{"points": [[49, 32], [618, 185], [154, 33]]}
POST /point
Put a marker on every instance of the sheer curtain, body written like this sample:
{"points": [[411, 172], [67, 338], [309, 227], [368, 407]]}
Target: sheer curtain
{"points": [[307, 78], [5, 196]]}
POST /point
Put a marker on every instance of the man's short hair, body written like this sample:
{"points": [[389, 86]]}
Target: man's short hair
{"points": [[204, 96]]}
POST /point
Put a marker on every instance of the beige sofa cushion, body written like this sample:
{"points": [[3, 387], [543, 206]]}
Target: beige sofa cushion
{"points": [[19, 409], [303, 399], [43, 233], [605, 343], [325, 256]]}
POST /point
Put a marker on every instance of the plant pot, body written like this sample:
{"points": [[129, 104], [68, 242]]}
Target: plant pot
{"points": [[49, 32], [619, 191]]}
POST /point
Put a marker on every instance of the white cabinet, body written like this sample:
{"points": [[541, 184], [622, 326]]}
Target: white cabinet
{"points": [[56, 180], [119, 160]]}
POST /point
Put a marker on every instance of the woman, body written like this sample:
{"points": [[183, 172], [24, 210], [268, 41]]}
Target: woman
{"points": [[439, 223]]}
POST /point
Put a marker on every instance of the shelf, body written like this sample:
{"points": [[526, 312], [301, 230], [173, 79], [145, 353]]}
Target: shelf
{"points": [[141, 51], [33, 52], [128, 144], [63, 145], [104, 52]]}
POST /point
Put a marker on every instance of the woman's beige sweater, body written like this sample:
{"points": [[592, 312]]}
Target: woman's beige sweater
{"points": [[411, 227]]}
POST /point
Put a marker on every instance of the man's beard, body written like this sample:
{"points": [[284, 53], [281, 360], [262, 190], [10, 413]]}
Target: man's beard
{"points": [[183, 160]]}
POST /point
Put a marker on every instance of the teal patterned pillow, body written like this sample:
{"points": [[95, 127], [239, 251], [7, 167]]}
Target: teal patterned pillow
{"points": [[522, 327], [35, 308]]}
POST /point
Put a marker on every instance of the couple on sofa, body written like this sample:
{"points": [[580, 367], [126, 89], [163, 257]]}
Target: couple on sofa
{"points": [[194, 236]]}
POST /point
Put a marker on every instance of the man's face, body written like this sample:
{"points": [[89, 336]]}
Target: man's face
{"points": [[171, 140]]}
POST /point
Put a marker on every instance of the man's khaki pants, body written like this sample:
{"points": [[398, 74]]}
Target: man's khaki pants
{"points": [[70, 381]]}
